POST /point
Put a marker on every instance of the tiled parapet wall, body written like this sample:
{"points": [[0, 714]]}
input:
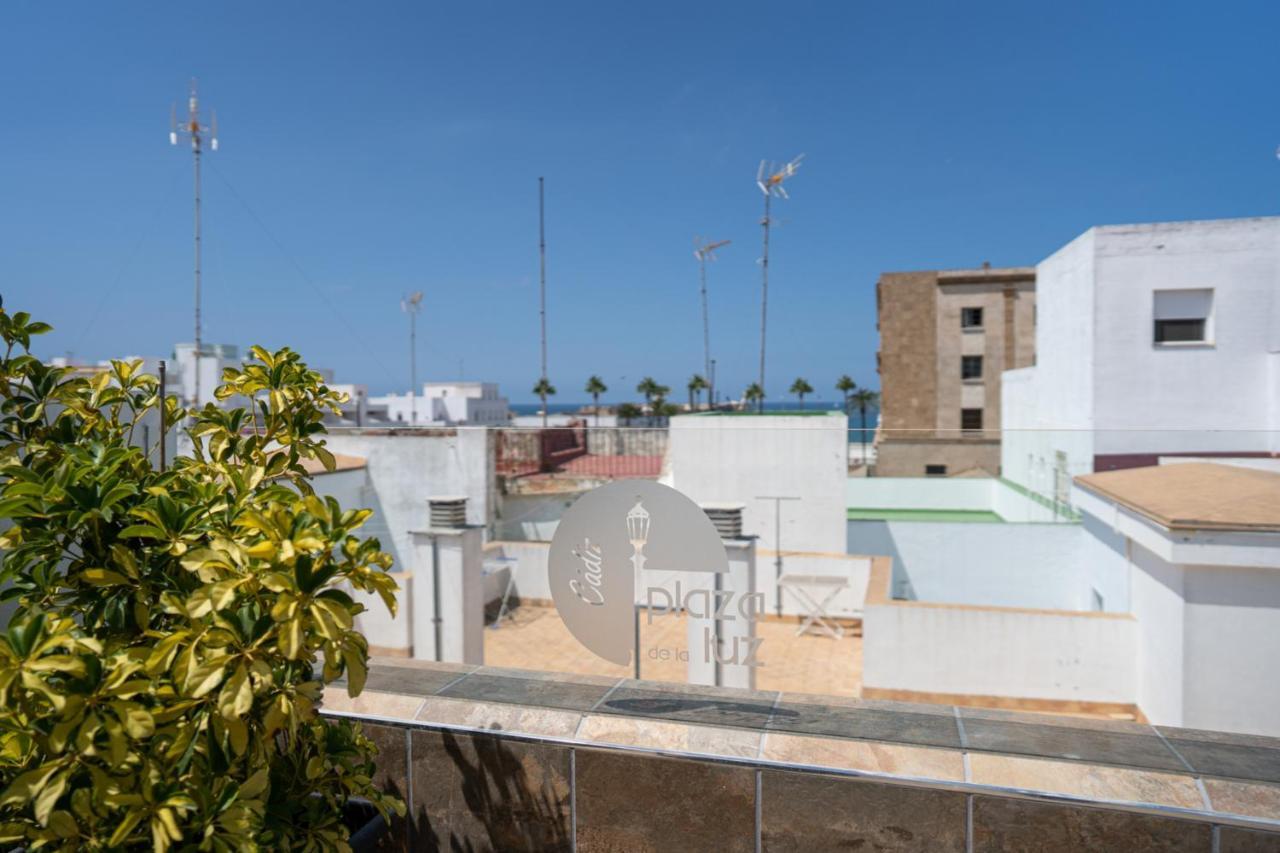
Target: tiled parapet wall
{"points": [[495, 759]]}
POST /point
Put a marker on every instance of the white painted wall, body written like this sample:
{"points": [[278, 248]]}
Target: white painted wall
{"points": [[996, 652], [404, 469], [1208, 398], [735, 459], [1102, 386], [1158, 606], [1049, 407], [1208, 635], [989, 564], [963, 493], [1232, 655]]}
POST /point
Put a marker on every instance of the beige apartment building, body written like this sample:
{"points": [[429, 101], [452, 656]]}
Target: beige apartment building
{"points": [[945, 338]]}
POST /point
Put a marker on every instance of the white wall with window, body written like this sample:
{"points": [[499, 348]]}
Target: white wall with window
{"points": [[1151, 339]]}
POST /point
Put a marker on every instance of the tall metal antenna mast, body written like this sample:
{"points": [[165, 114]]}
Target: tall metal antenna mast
{"points": [[542, 289], [706, 252], [193, 129], [769, 178], [411, 305]]}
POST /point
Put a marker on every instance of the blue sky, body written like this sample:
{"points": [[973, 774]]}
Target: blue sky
{"points": [[373, 149]]}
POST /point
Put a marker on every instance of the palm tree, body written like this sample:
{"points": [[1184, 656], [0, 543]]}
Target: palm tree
{"points": [[861, 400], [754, 394], [596, 387], [544, 389], [801, 387], [696, 386], [628, 411], [649, 389], [658, 406], [846, 386]]}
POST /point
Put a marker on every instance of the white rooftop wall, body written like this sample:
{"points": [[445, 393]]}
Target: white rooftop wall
{"points": [[737, 459]]}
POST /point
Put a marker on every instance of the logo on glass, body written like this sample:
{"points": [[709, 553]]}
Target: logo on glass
{"points": [[608, 541]]}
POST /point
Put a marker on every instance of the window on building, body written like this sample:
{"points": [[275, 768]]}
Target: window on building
{"points": [[1183, 316], [971, 318], [971, 367], [971, 420], [935, 470]]}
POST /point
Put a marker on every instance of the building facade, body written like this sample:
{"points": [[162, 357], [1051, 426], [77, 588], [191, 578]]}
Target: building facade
{"points": [[443, 404], [1153, 340], [945, 338]]}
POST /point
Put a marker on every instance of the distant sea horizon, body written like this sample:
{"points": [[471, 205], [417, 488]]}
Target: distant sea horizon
{"points": [[873, 412]]}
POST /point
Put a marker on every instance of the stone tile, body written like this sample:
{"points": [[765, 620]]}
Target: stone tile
{"points": [[530, 689], [1001, 824], [1244, 798], [605, 681], [549, 722], [1250, 757], [392, 774], [420, 679], [483, 792], [1232, 839], [872, 756], [1117, 784], [691, 704], [629, 803], [678, 737], [804, 812], [1102, 741], [1002, 715], [867, 720], [868, 704], [372, 703]]}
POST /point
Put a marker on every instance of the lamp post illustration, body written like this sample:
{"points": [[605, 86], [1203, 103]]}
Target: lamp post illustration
{"points": [[638, 535]]}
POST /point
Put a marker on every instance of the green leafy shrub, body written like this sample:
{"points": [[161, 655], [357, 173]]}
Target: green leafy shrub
{"points": [[174, 629]]}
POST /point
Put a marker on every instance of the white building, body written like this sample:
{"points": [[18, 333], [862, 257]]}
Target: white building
{"points": [[443, 404], [213, 358], [1151, 340], [1196, 548]]}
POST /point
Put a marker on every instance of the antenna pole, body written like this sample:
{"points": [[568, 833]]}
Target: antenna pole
{"points": [[192, 128], [764, 293], [413, 368], [410, 305], [162, 423], [542, 290], [195, 150], [706, 323]]}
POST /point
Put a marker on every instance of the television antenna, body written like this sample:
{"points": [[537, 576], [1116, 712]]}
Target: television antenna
{"points": [[769, 178], [706, 251], [411, 305], [193, 129], [542, 292]]}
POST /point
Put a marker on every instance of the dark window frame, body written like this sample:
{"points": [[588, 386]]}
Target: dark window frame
{"points": [[966, 360], [966, 419], [935, 470], [969, 314]]}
